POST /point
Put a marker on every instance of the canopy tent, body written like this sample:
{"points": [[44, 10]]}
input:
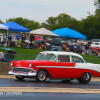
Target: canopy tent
{"points": [[3, 27], [16, 27], [69, 33], [43, 31]]}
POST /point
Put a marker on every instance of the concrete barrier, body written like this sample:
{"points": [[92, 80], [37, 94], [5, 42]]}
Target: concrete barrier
{"points": [[4, 68]]}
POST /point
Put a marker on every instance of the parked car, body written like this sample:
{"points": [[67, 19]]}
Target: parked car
{"points": [[56, 44], [95, 40], [55, 65], [38, 37], [10, 53], [95, 44], [84, 42]]}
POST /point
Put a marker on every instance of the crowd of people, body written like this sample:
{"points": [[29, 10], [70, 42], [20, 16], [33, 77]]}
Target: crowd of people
{"points": [[30, 42]]}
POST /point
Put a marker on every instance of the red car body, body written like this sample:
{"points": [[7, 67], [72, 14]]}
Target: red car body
{"points": [[63, 69], [38, 37]]}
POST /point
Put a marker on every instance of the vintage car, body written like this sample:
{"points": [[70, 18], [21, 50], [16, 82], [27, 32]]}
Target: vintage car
{"points": [[10, 53], [55, 65]]}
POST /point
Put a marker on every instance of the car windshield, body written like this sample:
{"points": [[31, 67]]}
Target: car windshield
{"points": [[46, 56], [40, 37]]}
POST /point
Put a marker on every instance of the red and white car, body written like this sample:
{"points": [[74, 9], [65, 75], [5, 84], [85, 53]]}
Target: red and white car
{"points": [[38, 37], [55, 65]]}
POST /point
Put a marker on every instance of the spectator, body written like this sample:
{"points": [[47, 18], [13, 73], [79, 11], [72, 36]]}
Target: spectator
{"points": [[67, 49], [31, 37], [23, 44], [2, 55], [98, 53], [31, 40], [45, 38], [48, 45], [82, 49], [87, 49], [23, 37], [36, 45], [69, 43], [9, 41], [43, 45], [17, 38]]}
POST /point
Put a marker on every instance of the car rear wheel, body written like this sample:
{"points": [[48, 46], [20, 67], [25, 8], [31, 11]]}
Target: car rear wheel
{"points": [[85, 78], [41, 75], [20, 77]]}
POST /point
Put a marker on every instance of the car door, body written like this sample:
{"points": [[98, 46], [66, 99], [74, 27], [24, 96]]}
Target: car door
{"points": [[79, 66], [64, 67]]}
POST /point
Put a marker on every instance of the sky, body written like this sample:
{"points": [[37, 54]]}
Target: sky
{"points": [[41, 10]]}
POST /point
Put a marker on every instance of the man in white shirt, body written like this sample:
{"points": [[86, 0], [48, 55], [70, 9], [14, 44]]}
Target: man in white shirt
{"points": [[2, 55]]}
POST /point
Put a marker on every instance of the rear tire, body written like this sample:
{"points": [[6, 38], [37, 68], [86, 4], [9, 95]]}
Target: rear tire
{"points": [[41, 76], [85, 78], [20, 77]]}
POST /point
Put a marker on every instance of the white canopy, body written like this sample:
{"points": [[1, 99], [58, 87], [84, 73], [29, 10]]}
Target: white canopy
{"points": [[43, 31], [3, 27]]}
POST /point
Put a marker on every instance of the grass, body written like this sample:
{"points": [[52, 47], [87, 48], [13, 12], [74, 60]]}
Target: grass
{"points": [[30, 54]]}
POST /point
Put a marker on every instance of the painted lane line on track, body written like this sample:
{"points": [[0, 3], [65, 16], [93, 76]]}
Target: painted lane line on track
{"points": [[49, 90]]}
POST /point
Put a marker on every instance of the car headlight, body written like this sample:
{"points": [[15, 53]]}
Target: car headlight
{"points": [[30, 65], [11, 64]]}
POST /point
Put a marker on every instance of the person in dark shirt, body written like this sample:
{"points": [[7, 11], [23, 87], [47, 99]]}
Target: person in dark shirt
{"points": [[31, 40], [43, 45], [23, 44], [23, 37], [31, 37]]}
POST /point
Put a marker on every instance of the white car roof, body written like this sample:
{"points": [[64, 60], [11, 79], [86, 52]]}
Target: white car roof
{"points": [[62, 53]]}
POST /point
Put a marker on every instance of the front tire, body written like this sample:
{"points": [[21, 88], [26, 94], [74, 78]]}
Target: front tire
{"points": [[20, 77], [85, 78], [41, 75]]}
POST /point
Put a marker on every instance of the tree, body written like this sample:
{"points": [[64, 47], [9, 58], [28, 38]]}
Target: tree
{"points": [[97, 4]]}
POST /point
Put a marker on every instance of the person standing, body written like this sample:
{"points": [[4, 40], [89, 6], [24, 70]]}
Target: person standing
{"points": [[31, 40], [2, 55], [23, 37], [17, 38]]}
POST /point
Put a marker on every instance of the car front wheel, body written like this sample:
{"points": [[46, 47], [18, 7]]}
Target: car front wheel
{"points": [[85, 78], [20, 77], [41, 75]]}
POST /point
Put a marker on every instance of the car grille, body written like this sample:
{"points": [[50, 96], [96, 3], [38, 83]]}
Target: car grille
{"points": [[21, 70]]}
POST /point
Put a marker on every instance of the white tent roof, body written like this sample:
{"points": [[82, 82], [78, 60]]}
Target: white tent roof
{"points": [[3, 27], [43, 31]]}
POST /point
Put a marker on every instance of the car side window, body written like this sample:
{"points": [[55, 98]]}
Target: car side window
{"points": [[76, 59], [63, 58], [54, 58]]}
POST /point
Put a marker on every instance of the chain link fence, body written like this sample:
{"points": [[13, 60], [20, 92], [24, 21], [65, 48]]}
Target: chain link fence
{"points": [[33, 57]]}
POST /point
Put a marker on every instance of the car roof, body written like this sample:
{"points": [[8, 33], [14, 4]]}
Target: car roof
{"points": [[62, 53]]}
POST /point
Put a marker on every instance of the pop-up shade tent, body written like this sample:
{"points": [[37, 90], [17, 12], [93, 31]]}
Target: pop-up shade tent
{"points": [[69, 33], [43, 31], [16, 27], [3, 27]]}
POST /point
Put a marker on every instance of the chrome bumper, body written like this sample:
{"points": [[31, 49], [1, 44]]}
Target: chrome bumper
{"points": [[22, 74]]}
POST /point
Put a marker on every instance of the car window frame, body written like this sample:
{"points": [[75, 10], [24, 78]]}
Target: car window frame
{"points": [[77, 57], [64, 55]]}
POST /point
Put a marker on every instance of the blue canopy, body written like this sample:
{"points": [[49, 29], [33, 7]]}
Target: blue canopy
{"points": [[16, 27], [69, 33]]}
